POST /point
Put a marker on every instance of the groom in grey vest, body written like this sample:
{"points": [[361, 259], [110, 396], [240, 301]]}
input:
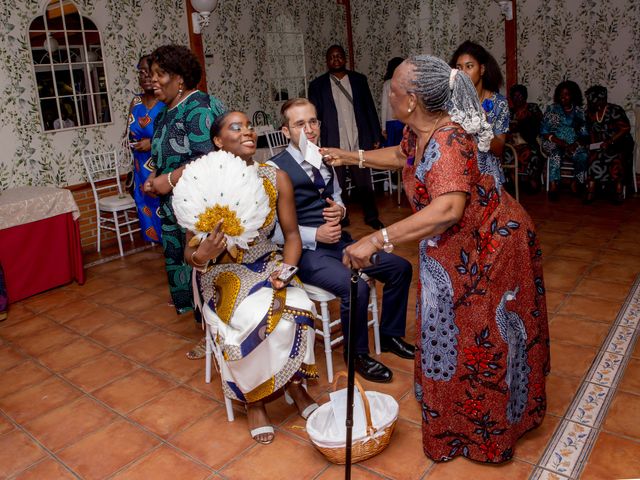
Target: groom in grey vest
{"points": [[320, 208]]}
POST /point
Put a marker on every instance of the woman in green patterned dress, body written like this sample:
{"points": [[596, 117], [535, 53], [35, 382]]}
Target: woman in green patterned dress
{"points": [[181, 134]]}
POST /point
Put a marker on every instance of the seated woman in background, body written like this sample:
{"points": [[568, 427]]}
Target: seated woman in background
{"points": [[392, 128], [143, 111], [525, 128], [264, 325], [611, 150], [484, 72], [564, 133]]}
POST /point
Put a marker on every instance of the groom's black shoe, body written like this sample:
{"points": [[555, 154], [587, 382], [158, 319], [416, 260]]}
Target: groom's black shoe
{"points": [[397, 346], [371, 369]]}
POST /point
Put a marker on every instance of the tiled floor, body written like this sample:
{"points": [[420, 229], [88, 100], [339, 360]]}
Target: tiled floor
{"points": [[94, 382]]}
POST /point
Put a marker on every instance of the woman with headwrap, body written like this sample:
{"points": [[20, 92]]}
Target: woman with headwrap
{"points": [[611, 150], [481, 357]]}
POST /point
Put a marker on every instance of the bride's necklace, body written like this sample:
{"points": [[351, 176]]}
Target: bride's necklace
{"points": [[604, 112]]}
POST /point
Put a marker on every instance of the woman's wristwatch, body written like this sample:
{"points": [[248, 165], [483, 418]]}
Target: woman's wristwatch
{"points": [[387, 246]]}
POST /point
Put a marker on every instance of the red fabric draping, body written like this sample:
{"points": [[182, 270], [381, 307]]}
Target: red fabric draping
{"points": [[41, 255]]}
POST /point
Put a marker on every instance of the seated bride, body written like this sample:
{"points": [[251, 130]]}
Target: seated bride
{"points": [[262, 318]]}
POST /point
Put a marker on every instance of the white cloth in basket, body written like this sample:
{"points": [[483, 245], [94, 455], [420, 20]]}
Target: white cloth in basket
{"points": [[325, 431]]}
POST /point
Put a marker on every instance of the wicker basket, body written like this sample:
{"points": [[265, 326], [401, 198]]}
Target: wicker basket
{"points": [[375, 440]]}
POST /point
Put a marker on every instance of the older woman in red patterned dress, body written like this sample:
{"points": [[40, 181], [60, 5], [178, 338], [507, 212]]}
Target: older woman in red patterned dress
{"points": [[482, 335]]}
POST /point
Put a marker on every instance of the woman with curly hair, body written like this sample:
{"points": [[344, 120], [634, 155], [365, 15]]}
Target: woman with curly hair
{"points": [[564, 133], [181, 134], [484, 72]]}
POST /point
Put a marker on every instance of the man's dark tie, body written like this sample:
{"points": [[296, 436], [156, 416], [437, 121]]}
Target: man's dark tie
{"points": [[318, 181]]}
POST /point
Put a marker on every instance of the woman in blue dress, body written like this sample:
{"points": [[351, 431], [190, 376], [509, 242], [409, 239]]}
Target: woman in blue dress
{"points": [[485, 74], [142, 113]]}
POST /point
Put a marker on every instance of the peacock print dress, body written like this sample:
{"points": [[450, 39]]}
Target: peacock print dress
{"points": [[482, 334], [264, 337]]}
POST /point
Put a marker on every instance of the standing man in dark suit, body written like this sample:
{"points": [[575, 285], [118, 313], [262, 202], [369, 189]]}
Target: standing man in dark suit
{"points": [[349, 121], [319, 209]]}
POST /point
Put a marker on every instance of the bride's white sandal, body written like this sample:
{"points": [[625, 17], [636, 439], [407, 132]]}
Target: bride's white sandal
{"points": [[308, 410], [267, 429]]}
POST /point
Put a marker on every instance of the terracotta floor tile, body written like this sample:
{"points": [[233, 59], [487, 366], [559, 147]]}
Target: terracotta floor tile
{"points": [[5, 425], [72, 310], [560, 281], [17, 452], [230, 440], [554, 300], [261, 463], [37, 400], [410, 408], [531, 445], [9, 357], [95, 319], [631, 378], [114, 295], [612, 457], [50, 300], [596, 288], [213, 389], [161, 314], [79, 418], [164, 464], [140, 302], [403, 458], [177, 365], [593, 308], [609, 272], [185, 326], [16, 313], [628, 245], [336, 472], [40, 342], [162, 417], [21, 376], [577, 252], [119, 332], [44, 470], [102, 453], [103, 369], [571, 360], [71, 355], [560, 392], [625, 406], [465, 469], [621, 258], [27, 327], [149, 347], [95, 286], [401, 384], [131, 391], [568, 328]]}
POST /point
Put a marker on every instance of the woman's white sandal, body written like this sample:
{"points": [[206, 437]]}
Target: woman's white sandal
{"points": [[262, 430]]}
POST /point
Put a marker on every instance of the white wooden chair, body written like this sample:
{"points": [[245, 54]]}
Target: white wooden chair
{"points": [[276, 141], [512, 166], [382, 176], [323, 297], [115, 212]]}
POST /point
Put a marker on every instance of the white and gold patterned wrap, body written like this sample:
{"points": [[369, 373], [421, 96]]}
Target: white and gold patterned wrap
{"points": [[263, 336]]}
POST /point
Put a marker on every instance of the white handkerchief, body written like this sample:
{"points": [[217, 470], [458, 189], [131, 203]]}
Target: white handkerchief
{"points": [[339, 407], [310, 151]]}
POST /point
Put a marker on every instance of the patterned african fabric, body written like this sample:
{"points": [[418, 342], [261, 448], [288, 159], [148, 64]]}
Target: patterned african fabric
{"points": [[525, 126], [496, 108], [141, 126], [263, 336], [481, 328], [181, 134], [570, 127], [611, 163]]}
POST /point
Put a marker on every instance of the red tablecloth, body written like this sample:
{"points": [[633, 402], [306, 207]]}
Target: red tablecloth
{"points": [[41, 255]]}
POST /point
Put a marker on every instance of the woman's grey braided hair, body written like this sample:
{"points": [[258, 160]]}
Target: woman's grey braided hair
{"points": [[441, 88]]}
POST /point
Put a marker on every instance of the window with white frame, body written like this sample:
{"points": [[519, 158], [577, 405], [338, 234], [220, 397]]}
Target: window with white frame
{"points": [[285, 59], [69, 68]]}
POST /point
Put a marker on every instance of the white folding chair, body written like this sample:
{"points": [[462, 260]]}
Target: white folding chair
{"points": [[381, 176], [323, 297], [276, 141], [512, 165], [115, 211]]}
